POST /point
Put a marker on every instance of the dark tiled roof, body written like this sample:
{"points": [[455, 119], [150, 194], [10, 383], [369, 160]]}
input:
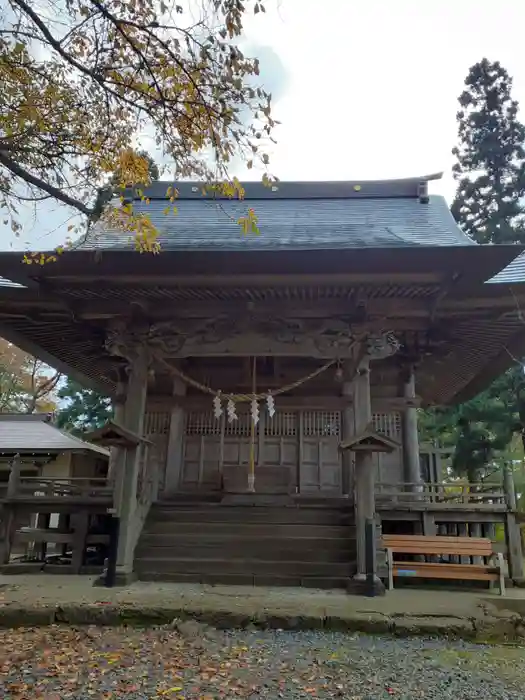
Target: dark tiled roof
{"points": [[514, 273], [298, 216], [20, 433]]}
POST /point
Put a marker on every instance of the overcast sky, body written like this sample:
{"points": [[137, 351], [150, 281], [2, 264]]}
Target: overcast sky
{"points": [[366, 88]]}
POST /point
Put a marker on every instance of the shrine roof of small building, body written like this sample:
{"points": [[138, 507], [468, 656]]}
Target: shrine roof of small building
{"points": [[295, 216], [36, 433]]}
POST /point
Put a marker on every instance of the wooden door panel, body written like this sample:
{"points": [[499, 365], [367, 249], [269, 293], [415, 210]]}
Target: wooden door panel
{"points": [[330, 465], [321, 465]]}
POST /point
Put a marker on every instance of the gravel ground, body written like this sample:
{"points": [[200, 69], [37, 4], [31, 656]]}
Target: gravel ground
{"points": [[197, 663]]}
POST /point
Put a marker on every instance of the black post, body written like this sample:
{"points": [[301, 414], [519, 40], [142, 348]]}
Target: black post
{"points": [[370, 558], [111, 568]]}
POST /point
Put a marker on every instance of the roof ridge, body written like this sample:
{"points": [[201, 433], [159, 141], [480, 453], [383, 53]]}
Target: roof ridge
{"points": [[411, 187]]}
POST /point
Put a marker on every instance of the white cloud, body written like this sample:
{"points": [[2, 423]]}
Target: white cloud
{"points": [[370, 87]]}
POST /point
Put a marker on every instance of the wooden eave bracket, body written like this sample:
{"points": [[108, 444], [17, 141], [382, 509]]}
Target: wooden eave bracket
{"points": [[114, 435], [370, 441]]}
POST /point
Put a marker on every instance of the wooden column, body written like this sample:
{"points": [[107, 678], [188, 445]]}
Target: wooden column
{"points": [[174, 453], [134, 421], [411, 468], [116, 453], [348, 428], [9, 513], [364, 497], [514, 547], [508, 486], [512, 529]]}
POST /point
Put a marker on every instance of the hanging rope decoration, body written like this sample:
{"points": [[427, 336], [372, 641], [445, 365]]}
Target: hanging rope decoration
{"points": [[219, 399], [254, 411]]}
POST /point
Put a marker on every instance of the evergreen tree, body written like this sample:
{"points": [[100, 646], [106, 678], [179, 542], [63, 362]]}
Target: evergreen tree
{"points": [[83, 410], [490, 165], [490, 171], [479, 430]]}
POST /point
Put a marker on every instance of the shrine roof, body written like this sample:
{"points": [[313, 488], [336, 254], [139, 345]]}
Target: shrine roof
{"points": [[513, 273], [296, 216], [387, 245], [36, 434]]}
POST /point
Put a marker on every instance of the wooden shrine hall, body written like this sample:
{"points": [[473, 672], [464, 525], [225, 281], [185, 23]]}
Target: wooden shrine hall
{"points": [[266, 387]]}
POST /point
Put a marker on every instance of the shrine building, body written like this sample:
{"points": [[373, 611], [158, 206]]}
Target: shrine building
{"points": [[267, 387]]}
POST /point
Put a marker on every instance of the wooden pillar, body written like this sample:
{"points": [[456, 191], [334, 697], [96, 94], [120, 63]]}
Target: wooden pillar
{"points": [[509, 487], [348, 428], [174, 453], [514, 548], [9, 513], [411, 468], [14, 477], [115, 457], [80, 522], [364, 503], [364, 477], [133, 421], [512, 529]]}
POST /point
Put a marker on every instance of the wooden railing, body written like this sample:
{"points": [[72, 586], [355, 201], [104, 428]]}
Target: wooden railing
{"points": [[462, 495], [36, 487]]}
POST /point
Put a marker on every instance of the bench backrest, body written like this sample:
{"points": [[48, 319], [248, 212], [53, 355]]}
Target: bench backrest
{"points": [[421, 544]]}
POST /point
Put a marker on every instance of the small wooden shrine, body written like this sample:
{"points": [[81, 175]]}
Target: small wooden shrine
{"points": [[248, 362]]}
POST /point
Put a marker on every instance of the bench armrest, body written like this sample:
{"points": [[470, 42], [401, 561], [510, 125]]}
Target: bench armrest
{"points": [[390, 567]]}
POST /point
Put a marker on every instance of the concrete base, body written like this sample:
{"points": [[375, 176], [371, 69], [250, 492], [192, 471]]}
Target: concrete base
{"points": [[38, 599], [358, 586], [24, 567], [122, 579]]}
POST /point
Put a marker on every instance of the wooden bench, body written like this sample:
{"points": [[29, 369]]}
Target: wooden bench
{"points": [[443, 546]]}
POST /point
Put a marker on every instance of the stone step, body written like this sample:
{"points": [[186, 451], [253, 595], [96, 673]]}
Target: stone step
{"points": [[215, 537], [225, 579], [254, 530], [250, 567], [250, 514], [254, 544], [185, 497], [250, 549]]}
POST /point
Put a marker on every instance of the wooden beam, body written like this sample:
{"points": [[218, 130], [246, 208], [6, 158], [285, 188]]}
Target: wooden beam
{"points": [[250, 280], [204, 403], [392, 307], [385, 405]]}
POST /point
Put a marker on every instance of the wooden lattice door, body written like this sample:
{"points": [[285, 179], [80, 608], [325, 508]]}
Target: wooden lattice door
{"points": [[320, 466], [202, 455]]}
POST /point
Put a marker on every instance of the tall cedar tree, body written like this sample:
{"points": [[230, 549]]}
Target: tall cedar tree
{"points": [[490, 165], [490, 171]]}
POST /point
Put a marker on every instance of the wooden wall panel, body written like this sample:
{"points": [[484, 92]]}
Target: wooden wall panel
{"points": [[156, 429], [389, 466]]}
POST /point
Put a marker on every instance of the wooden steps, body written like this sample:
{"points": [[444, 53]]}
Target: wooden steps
{"points": [[254, 545]]}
